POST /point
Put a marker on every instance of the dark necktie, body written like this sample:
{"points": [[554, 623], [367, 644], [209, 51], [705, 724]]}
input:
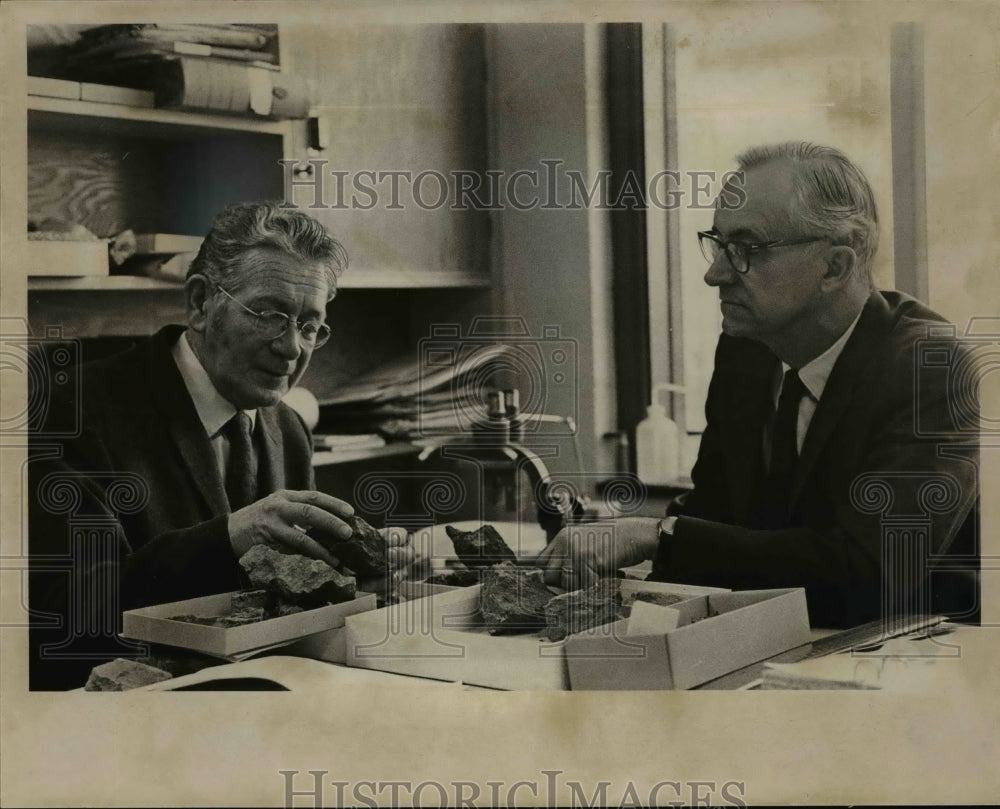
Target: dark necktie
{"points": [[241, 471], [784, 450]]}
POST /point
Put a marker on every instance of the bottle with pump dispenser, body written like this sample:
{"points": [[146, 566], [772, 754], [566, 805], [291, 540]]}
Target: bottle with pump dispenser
{"points": [[657, 442]]}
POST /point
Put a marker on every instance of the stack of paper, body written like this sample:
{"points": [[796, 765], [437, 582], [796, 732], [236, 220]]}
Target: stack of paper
{"points": [[413, 398], [923, 662]]}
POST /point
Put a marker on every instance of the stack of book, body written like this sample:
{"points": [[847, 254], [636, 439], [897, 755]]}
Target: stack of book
{"points": [[134, 43], [217, 68], [416, 398]]}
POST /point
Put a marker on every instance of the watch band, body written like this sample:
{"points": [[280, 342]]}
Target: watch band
{"points": [[666, 526]]}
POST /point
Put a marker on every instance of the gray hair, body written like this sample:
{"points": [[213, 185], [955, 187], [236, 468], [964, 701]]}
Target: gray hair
{"points": [[831, 194], [248, 225]]}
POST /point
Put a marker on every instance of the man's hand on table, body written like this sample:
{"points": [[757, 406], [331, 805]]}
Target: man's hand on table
{"points": [[579, 555]]}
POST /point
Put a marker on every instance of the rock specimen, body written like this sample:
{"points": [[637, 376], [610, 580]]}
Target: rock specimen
{"points": [[660, 599], [250, 599], [513, 599], [122, 675], [582, 609], [249, 615], [480, 548], [296, 579], [364, 551], [457, 578]]}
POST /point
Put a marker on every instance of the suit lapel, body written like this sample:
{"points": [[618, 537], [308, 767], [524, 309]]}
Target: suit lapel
{"points": [[749, 407], [848, 372], [185, 428]]}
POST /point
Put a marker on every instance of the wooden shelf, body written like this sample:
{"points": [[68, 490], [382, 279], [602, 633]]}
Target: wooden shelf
{"points": [[146, 122], [353, 279], [410, 279], [103, 283]]}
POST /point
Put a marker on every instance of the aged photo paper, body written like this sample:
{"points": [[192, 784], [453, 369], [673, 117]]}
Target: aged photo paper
{"points": [[746, 71]]}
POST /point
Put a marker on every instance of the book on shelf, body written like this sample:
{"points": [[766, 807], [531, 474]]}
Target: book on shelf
{"points": [[203, 83], [227, 36], [87, 91], [138, 50]]}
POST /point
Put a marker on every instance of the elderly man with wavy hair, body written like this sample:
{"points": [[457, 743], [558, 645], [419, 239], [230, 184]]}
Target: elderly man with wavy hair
{"points": [[192, 419]]}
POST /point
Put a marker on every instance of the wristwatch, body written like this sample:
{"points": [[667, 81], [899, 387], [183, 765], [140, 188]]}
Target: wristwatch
{"points": [[666, 526]]}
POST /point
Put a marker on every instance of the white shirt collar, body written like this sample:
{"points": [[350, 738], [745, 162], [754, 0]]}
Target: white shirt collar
{"points": [[815, 373], [213, 409]]}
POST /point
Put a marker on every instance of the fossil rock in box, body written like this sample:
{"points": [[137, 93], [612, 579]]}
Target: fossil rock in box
{"points": [[480, 548], [574, 612], [513, 599], [296, 579], [457, 578], [364, 551], [123, 675], [660, 599], [248, 615], [251, 599]]}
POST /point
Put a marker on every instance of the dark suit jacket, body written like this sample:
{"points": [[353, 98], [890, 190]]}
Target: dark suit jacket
{"points": [[868, 482], [142, 471]]}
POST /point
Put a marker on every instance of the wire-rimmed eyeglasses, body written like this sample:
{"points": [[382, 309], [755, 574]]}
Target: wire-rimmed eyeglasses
{"points": [[272, 325]]}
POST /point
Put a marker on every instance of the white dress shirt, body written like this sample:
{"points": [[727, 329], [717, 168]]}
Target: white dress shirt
{"points": [[214, 411], [814, 375]]}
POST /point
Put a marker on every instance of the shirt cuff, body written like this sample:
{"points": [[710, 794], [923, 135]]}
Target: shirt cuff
{"points": [[661, 561]]}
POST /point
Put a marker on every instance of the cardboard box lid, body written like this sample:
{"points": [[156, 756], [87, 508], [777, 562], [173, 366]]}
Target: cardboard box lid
{"points": [[154, 624], [748, 626]]}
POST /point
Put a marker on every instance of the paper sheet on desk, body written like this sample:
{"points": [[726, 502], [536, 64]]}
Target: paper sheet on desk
{"points": [[955, 658], [298, 674]]}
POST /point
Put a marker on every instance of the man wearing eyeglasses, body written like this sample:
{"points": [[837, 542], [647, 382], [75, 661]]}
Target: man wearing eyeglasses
{"points": [[812, 471], [193, 418]]}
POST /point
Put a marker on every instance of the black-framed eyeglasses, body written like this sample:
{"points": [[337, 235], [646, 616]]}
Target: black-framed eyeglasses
{"points": [[739, 253], [272, 325]]}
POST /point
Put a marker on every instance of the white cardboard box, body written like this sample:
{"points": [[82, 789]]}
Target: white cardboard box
{"points": [[715, 634], [154, 624], [443, 636]]}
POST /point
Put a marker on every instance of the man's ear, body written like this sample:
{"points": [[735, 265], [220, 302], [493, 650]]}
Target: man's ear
{"points": [[839, 266], [196, 300]]}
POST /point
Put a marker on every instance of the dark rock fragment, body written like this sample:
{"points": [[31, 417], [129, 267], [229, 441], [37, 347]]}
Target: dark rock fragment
{"points": [[574, 612], [513, 599], [660, 599], [296, 579], [457, 578], [364, 551], [250, 599], [480, 548], [123, 675]]}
